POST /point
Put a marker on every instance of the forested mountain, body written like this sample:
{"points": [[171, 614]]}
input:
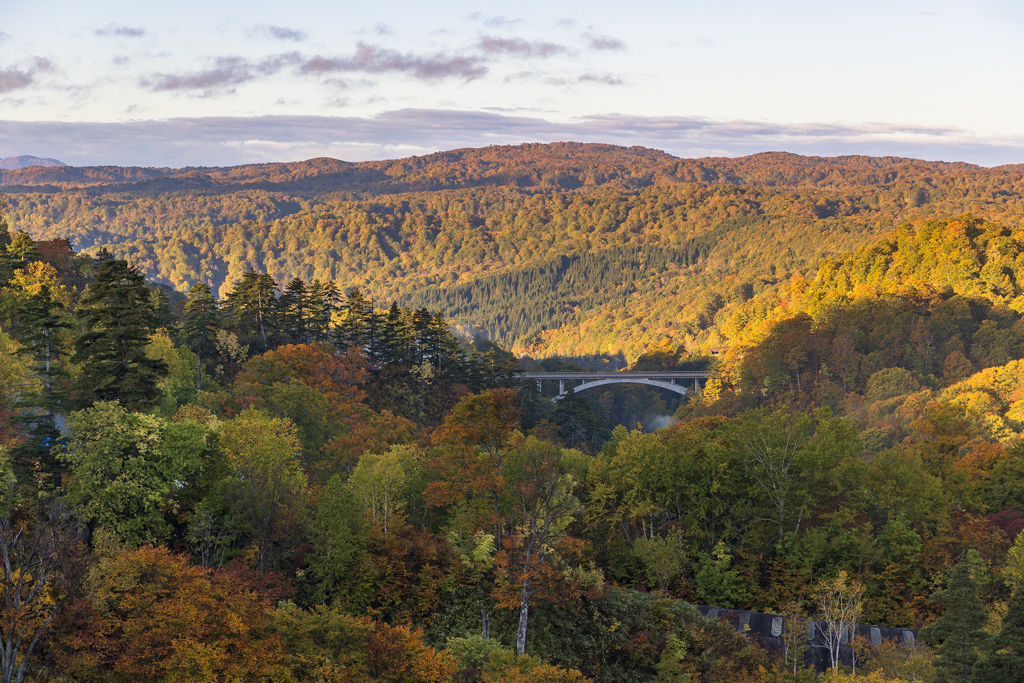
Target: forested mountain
{"points": [[294, 465], [546, 247]]}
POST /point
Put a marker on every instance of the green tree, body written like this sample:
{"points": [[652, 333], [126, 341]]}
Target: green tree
{"points": [[295, 306], [717, 583], [252, 306], [123, 469], [957, 635], [340, 533], [1005, 658], [269, 487], [351, 330], [42, 321], [200, 325], [581, 425], [119, 319], [791, 458]]}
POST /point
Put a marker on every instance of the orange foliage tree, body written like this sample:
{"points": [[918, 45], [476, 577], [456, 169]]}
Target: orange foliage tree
{"points": [[152, 616], [476, 439]]}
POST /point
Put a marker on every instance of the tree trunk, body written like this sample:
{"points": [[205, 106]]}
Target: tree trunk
{"points": [[524, 609]]}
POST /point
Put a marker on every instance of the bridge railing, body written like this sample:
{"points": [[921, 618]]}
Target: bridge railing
{"points": [[680, 374]]}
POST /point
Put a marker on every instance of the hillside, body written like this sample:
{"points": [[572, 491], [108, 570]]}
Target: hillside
{"points": [[316, 486], [565, 249]]}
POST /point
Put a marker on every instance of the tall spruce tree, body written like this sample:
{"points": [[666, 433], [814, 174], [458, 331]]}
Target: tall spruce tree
{"points": [[1005, 660], [294, 311], [252, 305], [957, 635], [7, 260], [200, 324], [323, 301], [351, 331], [118, 316], [41, 319], [164, 310]]}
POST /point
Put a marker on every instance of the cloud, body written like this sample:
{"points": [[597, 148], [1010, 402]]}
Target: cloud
{"points": [[235, 140], [518, 47], [605, 43], [374, 59], [5, 36], [123, 31], [502, 22], [601, 79], [382, 29], [279, 33], [14, 78], [494, 21], [225, 72], [584, 79]]}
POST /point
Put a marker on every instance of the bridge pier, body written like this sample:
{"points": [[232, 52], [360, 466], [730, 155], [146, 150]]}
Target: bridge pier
{"points": [[561, 387]]}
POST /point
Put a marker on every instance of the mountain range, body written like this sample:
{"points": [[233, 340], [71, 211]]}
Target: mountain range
{"points": [[561, 249]]}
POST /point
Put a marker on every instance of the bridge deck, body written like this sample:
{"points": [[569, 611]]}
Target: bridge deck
{"points": [[679, 374]]}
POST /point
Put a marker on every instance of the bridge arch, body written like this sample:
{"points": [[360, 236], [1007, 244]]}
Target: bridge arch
{"points": [[679, 389]]}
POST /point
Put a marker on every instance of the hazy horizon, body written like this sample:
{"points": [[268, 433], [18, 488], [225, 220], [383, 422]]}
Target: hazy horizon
{"points": [[120, 83]]}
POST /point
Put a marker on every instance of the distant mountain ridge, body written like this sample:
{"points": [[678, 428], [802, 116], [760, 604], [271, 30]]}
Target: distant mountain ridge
{"points": [[544, 167], [26, 161]]}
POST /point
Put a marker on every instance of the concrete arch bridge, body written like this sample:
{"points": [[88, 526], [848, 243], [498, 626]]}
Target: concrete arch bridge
{"points": [[677, 381]]}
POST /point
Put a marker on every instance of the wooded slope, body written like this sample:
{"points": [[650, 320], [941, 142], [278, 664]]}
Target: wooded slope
{"points": [[568, 248]]}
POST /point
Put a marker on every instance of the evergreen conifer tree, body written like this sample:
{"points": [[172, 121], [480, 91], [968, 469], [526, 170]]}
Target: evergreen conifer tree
{"points": [[252, 305], [351, 331], [449, 356], [200, 325], [164, 310], [581, 425], [957, 634], [6, 259], [294, 307], [1005, 661], [41, 320], [22, 250], [323, 301], [118, 316]]}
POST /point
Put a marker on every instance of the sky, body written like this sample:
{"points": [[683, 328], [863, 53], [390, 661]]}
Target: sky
{"points": [[224, 82]]}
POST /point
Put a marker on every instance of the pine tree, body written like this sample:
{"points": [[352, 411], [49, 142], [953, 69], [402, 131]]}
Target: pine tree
{"points": [[7, 260], [117, 313], [1005, 661], [252, 305], [22, 250], [164, 310], [200, 325], [351, 331], [450, 357], [957, 635], [41, 320], [395, 337], [294, 307], [323, 298], [427, 343], [581, 425]]}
